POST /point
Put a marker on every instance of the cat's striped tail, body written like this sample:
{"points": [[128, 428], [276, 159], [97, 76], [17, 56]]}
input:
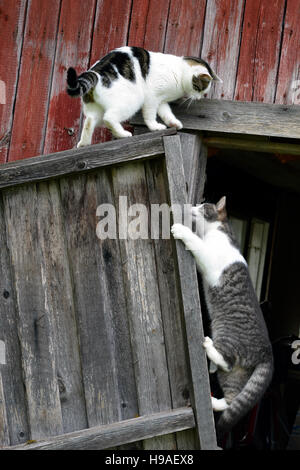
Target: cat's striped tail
{"points": [[82, 84], [247, 398]]}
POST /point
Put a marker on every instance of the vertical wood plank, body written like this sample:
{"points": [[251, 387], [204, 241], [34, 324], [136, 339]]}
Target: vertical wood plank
{"points": [[58, 291], [185, 27], [4, 432], [191, 304], [173, 326], [288, 82], [14, 401], [111, 31], [11, 37], [107, 371], [194, 155], [35, 324], [73, 49], [221, 42], [35, 80], [143, 304], [148, 24], [259, 51]]}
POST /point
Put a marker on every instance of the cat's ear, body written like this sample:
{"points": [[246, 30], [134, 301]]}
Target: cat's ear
{"points": [[221, 208], [216, 78]]}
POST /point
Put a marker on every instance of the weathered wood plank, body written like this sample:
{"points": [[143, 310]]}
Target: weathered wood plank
{"points": [[148, 24], [143, 303], [221, 42], [173, 326], [288, 81], [58, 291], [236, 117], [191, 305], [96, 299], [185, 28], [111, 435], [11, 37], [72, 49], [35, 323], [14, 398], [4, 429], [253, 145], [34, 83], [194, 155], [81, 160], [259, 51]]}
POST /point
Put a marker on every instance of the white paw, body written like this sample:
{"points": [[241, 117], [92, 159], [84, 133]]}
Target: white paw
{"points": [[175, 123], [179, 231], [157, 126], [81, 144], [219, 404], [208, 342], [122, 135]]}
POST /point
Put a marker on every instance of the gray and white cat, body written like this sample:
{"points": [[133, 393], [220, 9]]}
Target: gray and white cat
{"points": [[240, 347], [131, 78]]}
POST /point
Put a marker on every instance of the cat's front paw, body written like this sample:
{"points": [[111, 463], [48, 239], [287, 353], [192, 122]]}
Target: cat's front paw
{"points": [[175, 123], [179, 231], [155, 126]]}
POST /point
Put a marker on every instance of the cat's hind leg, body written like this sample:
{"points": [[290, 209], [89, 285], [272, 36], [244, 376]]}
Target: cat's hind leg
{"points": [[93, 118], [111, 121], [166, 114], [219, 404]]}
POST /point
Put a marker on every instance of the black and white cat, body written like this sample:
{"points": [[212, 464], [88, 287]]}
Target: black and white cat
{"points": [[131, 78], [240, 347]]}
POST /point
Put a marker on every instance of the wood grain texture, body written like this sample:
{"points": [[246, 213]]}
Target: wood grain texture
{"points": [[143, 304], [173, 323], [96, 303], [259, 51], [83, 159], [31, 107], [234, 117], [58, 292], [73, 46], [35, 322], [13, 400], [148, 24], [109, 436], [191, 305], [185, 27], [221, 42], [12, 21], [288, 82]]}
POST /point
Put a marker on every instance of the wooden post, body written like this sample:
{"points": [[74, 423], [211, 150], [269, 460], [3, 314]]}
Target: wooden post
{"points": [[191, 305]]}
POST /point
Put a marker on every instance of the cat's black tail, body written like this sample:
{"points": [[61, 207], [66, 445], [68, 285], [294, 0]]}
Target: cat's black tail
{"points": [[82, 84], [247, 398]]}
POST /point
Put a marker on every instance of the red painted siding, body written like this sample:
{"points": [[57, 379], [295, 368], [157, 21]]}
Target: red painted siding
{"points": [[254, 45]]}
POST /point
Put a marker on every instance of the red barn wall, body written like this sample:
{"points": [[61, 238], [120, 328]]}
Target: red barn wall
{"points": [[254, 45]]}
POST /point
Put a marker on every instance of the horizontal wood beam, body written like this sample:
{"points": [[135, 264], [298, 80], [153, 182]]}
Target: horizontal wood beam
{"points": [[252, 145], [116, 434], [238, 117], [72, 161]]}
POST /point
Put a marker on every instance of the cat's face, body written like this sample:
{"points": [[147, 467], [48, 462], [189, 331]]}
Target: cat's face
{"points": [[208, 216], [202, 77]]}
